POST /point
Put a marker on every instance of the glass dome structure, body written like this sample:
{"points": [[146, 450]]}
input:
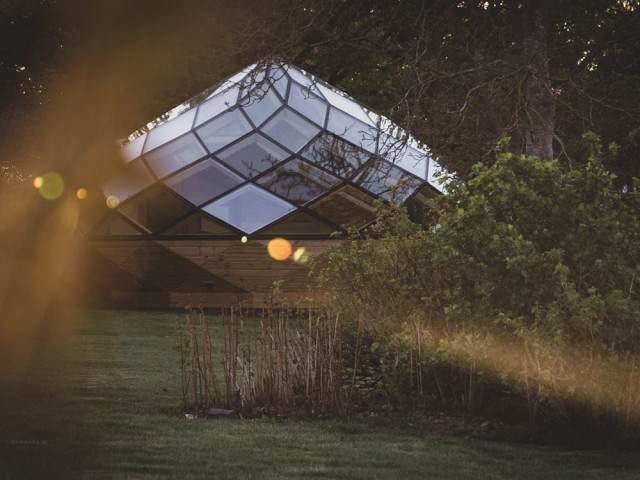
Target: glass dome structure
{"points": [[272, 151]]}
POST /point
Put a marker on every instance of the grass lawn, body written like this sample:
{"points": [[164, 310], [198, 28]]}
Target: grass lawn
{"points": [[102, 402]]}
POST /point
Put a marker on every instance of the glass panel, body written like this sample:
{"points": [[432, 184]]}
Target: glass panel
{"points": [[380, 178], [133, 149], [155, 209], [170, 130], [253, 155], [203, 181], [175, 155], [336, 156], [298, 181], [249, 208], [416, 207], [305, 101], [261, 103], [434, 175], [129, 180], [347, 207], [352, 130], [308, 82], [406, 157], [299, 223], [291, 130], [224, 130], [280, 81], [197, 224], [345, 104], [220, 102], [115, 225]]}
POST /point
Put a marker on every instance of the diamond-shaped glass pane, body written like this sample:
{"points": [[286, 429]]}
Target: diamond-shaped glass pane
{"points": [[168, 131], [203, 181], [291, 130], [154, 209], [175, 155], [223, 130], [345, 104], [253, 155], [133, 149], [260, 104], [346, 207], [131, 179], [387, 181], [308, 103], [298, 181], [197, 224], [336, 156], [222, 101], [352, 130], [406, 157], [249, 208]]}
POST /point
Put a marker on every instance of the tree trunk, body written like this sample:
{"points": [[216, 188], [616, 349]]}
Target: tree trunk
{"points": [[539, 106]]}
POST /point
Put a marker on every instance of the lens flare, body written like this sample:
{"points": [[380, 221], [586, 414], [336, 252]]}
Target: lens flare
{"points": [[301, 255], [81, 194], [279, 249], [244, 239], [50, 185], [112, 201]]}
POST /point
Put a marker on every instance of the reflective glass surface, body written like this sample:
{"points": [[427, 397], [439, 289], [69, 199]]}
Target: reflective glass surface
{"points": [[220, 102], [175, 155], [154, 209], [204, 181], [346, 207], [345, 104], [223, 130], [387, 181], [133, 149], [169, 130], [131, 179], [352, 130], [249, 208], [336, 156], [260, 104], [253, 155], [298, 181], [290, 129], [310, 104]]}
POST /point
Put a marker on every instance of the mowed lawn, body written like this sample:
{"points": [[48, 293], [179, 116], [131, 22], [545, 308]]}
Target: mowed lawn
{"points": [[101, 401]]}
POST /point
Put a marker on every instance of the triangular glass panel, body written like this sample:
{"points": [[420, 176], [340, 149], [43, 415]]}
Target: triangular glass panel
{"points": [[115, 226], [175, 155], [387, 181], [204, 181], [336, 156], [298, 181], [224, 130], [198, 224], [224, 99], [290, 129], [300, 223], [131, 179], [346, 207], [253, 155], [168, 131], [261, 103], [249, 208], [305, 101], [154, 209], [360, 134], [346, 104]]}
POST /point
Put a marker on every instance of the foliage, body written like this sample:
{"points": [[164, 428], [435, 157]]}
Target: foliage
{"points": [[525, 278]]}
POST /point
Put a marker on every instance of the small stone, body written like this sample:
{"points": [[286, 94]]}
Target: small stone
{"points": [[219, 413]]}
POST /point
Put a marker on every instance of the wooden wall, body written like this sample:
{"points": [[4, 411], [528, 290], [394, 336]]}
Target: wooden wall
{"points": [[208, 273]]}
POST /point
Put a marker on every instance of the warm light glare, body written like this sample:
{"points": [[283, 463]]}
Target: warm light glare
{"points": [[112, 201], [50, 185], [300, 255], [279, 249], [81, 194], [244, 239]]}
